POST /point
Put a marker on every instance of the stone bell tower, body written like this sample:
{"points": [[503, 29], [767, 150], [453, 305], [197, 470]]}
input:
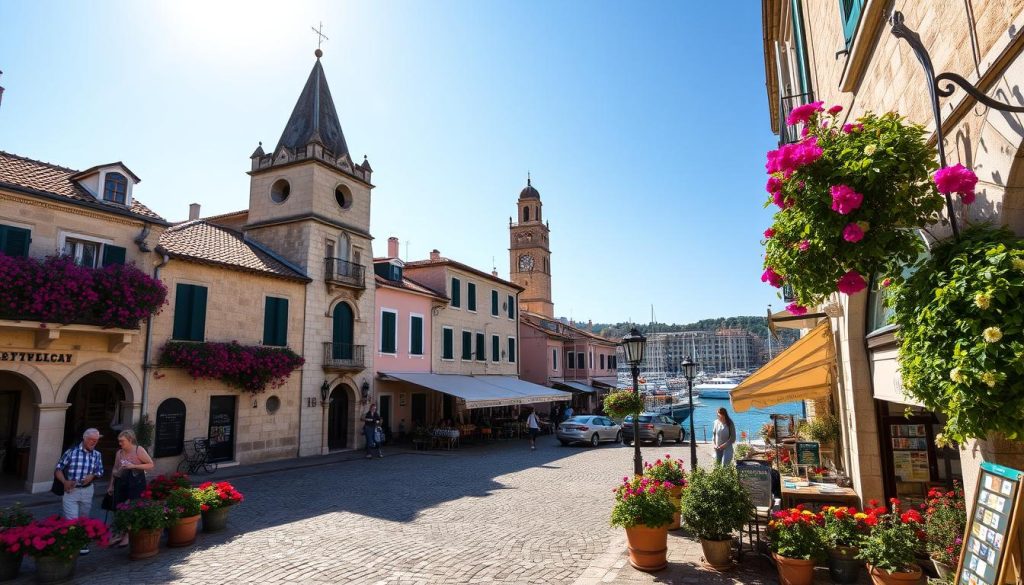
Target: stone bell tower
{"points": [[529, 254]]}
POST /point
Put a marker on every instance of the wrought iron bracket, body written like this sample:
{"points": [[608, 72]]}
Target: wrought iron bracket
{"points": [[942, 85]]}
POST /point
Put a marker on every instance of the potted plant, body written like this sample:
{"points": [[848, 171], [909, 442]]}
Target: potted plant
{"points": [[161, 486], [10, 561], [144, 520], [714, 504], [669, 471], [890, 548], [621, 403], [183, 508], [643, 507], [945, 522], [54, 543], [842, 531], [216, 500], [795, 539]]}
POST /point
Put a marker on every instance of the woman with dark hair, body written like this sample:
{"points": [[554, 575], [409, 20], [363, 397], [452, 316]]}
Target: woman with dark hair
{"points": [[724, 435]]}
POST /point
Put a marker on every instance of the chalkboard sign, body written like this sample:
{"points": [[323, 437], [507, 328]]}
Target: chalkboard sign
{"points": [[990, 537], [170, 428], [756, 478], [808, 454]]}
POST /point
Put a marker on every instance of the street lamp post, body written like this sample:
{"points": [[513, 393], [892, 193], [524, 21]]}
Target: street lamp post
{"points": [[688, 371], [633, 346]]}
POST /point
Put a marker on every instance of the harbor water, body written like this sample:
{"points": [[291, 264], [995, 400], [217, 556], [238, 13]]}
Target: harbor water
{"points": [[750, 421]]}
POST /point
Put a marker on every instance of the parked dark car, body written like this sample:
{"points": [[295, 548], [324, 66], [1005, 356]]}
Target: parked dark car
{"points": [[654, 428]]}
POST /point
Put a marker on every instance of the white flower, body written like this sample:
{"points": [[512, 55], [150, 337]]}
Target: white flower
{"points": [[870, 149], [989, 378], [957, 376], [992, 334], [1018, 263], [982, 301]]}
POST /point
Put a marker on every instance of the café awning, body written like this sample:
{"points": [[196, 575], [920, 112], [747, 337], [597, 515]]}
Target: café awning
{"points": [[577, 387], [482, 391], [802, 371]]}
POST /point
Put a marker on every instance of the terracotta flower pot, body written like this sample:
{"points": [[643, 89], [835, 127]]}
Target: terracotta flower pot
{"points": [[144, 543], [794, 571], [676, 497], [183, 531], [648, 547], [50, 569], [843, 564], [717, 553], [216, 519], [882, 577]]}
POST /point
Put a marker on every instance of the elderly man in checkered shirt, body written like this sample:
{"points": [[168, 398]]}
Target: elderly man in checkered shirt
{"points": [[78, 469]]}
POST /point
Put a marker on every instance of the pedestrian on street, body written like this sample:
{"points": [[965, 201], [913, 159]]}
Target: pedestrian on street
{"points": [[724, 435], [371, 424], [533, 426], [128, 478], [77, 469], [568, 412]]}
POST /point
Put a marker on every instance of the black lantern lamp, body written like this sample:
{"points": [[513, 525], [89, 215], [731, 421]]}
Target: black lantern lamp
{"points": [[366, 390], [633, 346], [325, 390], [689, 369]]}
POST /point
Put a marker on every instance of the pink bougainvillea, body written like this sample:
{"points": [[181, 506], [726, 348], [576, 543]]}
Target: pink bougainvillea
{"points": [[804, 245], [246, 367], [769, 233], [850, 128], [796, 309], [853, 233], [845, 199], [801, 114], [56, 290], [955, 179], [771, 277], [851, 282]]}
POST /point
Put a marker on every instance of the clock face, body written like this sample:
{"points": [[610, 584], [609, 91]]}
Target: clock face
{"points": [[525, 263]]}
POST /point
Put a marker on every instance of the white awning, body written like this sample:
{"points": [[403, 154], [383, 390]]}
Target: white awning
{"points": [[483, 391], [577, 387]]}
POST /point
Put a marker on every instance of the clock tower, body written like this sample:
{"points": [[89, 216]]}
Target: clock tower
{"points": [[529, 254]]}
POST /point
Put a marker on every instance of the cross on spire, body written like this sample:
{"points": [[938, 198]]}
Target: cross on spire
{"points": [[321, 37]]}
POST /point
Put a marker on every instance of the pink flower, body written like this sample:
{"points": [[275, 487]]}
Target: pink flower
{"points": [[835, 110], [886, 282], [769, 233], [771, 277], [956, 179], [849, 128], [967, 198], [853, 233], [851, 282], [774, 185], [779, 200], [805, 245], [801, 114], [796, 309], [845, 199]]}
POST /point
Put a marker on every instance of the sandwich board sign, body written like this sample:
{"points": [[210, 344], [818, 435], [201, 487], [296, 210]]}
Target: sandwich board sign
{"points": [[991, 553]]}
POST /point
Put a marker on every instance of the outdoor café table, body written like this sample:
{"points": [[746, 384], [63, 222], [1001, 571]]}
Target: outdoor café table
{"points": [[813, 494]]}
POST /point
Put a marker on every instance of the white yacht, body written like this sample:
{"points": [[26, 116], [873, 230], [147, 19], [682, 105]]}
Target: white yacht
{"points": [[715, 387]]}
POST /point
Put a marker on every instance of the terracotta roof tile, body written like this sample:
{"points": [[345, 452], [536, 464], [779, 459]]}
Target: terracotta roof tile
{"points": [[20, 172], [410, 285], [414, 264], [201, 241]]}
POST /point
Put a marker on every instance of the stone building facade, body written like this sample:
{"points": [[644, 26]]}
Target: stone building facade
{"points": [[844, 53]]}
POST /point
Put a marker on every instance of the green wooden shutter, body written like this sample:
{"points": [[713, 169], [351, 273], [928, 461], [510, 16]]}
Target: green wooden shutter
{"points": [[416, 330], [387, 335], [14, 241], [282, 322], [449, 343], [471, 296], [850, 11], [275, 322], [342, 336], [467, 345], [481, 349], [495, 348], [494, 303], [197, 326], [112, 255], [511, 350], [511, 307], [456, 292], [182, 311]]}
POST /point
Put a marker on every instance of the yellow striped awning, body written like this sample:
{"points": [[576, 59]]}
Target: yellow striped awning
{"points": [[803, 371]]}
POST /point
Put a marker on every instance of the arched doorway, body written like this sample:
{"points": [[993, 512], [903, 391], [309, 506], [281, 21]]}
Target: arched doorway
{"points": [[17, 395], [342, 332], [338, 418], [95, 403]]}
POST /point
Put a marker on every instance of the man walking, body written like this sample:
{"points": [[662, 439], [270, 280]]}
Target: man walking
{"points": [[78, 469]]}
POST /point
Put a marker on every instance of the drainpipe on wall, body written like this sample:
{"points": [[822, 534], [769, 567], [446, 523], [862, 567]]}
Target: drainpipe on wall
{"points": [[149, 341], [519, 349]]}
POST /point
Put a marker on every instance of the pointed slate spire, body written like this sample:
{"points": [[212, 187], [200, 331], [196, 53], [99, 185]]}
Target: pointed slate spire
{"points": [[258, 152], [314, 118]]}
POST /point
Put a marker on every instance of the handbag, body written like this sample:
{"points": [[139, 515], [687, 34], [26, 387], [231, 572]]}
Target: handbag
{"points": [[57, 488], [107, 503], [378, 436]]}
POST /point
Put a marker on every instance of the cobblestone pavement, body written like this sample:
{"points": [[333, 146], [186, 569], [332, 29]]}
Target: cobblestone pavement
{"points": [[484, 514]]}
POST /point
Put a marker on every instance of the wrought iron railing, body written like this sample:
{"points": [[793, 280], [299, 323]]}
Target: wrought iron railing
{"points": [[344, 355], [790, 134], [344, 272]]}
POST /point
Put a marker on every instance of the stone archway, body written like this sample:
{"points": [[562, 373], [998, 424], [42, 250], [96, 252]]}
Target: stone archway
{"points": [[21, 388], [96, 401]]}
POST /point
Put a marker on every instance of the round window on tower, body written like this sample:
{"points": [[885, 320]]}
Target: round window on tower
{"points": [[280, 191], [343, 196]]}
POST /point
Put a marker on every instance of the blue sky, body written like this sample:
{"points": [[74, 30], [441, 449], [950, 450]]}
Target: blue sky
{"points": [[644, 125]]}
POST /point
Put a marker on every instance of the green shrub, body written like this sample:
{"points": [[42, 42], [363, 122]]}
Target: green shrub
{"points": [[715, 503]]}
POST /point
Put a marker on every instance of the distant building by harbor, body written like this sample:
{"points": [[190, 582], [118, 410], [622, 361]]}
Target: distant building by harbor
{"points": [[718, 351]]}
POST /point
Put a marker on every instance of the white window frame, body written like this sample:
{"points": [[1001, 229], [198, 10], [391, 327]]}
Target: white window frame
{"points": [[77, 256], [380, 350], [129, 183], [423, 333], [452, 329]]}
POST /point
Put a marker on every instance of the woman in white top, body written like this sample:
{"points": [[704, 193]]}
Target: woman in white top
{"points": [[533, 424], [724, 435]]}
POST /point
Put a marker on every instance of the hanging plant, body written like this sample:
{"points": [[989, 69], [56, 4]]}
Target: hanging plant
{"points": [[622, 403], [961, 318], [247, 367], [848, 198]]}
